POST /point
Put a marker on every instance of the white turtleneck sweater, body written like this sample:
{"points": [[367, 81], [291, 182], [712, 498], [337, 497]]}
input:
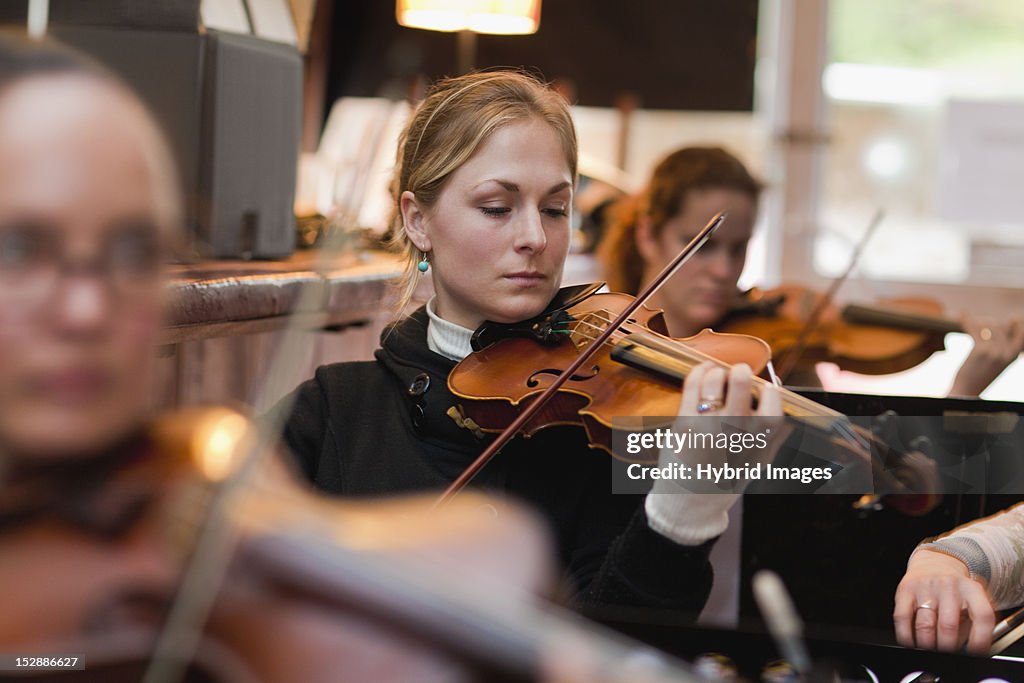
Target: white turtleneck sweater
{"points": [[445, 338]]}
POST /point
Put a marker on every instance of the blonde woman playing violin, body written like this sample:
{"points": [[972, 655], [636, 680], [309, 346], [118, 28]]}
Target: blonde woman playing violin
{"points": [[484, 189]]}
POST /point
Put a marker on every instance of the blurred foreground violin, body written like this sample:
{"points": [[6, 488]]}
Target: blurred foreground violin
{"points": [[117, 571], [591, 358], [803, 328]]}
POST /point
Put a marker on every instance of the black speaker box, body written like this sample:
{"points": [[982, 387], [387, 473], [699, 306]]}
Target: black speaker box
{"points": [[176, 15], [231, 105], [161, 15]]}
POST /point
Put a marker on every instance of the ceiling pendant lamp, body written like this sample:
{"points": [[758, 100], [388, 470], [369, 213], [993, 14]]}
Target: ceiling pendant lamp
{"points": [[504, 17]]}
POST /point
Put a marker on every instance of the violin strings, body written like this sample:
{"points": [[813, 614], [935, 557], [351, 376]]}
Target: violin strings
{"points": [[695, 354], [794, 399], [611, 341], [838, 423]]}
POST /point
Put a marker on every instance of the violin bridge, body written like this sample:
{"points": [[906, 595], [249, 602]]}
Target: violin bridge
{"points": [[588, 327]]}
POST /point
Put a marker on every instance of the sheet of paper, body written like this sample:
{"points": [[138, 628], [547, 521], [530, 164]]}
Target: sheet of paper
{"points": [[225, 15], [272, 20], [981, 172]]}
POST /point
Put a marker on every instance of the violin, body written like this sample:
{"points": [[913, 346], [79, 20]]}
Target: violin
{"points": [[637, 370], [803, 328], [167, 567]]}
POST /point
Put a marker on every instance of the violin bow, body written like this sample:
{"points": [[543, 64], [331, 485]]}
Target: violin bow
{"points": [[538, 403], [1008, 631], [814, 319]]}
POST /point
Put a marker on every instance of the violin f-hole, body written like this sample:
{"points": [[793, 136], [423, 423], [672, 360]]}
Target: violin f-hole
{"points": [[534, 380]]}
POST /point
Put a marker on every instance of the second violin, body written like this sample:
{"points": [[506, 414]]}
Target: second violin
{"points": [[802, 329]]}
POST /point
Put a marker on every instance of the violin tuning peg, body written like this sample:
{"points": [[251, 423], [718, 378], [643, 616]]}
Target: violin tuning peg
{"points": [[922, 444], [885, 427]]}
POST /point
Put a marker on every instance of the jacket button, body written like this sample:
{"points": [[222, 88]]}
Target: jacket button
{"points": [[419, 385], [417, 417]]}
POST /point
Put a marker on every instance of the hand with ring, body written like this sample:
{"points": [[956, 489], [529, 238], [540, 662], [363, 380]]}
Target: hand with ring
{"points": [[997, 343], [709, 389], [939, 606], [694, 511]]}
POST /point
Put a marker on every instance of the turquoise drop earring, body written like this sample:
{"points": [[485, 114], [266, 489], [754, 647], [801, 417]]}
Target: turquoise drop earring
{"points": [[424, 264]]}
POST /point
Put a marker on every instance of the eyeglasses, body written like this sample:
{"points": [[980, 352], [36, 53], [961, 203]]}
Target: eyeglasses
{"points": [[33, 263]]}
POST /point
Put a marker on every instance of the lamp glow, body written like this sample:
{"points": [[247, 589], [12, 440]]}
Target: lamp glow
{"points": [[217, 445], [504, 17]]}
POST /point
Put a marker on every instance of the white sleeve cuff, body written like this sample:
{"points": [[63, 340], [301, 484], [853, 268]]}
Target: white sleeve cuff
{"points": [[689, 518]]}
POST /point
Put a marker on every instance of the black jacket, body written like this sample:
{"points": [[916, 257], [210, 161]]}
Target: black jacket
{"points": [[378, 427]]}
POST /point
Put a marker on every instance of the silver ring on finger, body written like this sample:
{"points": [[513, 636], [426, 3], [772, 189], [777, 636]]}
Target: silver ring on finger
{"points": [[706, 405]]}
